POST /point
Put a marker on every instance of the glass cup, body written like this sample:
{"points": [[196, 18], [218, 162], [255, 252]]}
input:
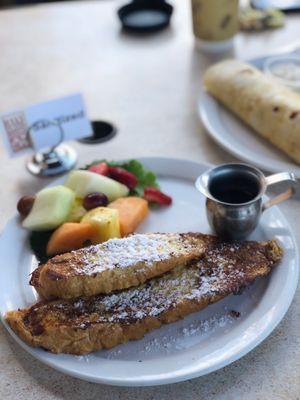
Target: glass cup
{"points": [[215, 22]]}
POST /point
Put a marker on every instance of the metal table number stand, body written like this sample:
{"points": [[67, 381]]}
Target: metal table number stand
{"points": [[55, 160]]}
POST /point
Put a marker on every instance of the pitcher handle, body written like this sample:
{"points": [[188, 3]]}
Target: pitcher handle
{"points": [[277, 178]]}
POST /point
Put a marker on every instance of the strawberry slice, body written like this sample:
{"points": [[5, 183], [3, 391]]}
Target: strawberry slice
{"points": [[123, 176], [156, 196], [100, 168]]}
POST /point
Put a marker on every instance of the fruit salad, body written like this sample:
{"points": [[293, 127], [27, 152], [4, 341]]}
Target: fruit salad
{"points": [[104, 200]]}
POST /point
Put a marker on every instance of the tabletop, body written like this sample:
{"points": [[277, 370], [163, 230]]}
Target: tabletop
{"points": [[148, 87]]}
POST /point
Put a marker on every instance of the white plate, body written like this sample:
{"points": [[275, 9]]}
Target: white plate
{"points": [[239, 139], [197, 345]]}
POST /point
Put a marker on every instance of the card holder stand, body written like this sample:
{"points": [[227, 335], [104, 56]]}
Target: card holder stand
{"points": [[56, 160]]}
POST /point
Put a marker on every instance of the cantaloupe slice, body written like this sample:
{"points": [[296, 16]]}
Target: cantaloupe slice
{"points": [[106, 222], [71, 236], [132, 211]]}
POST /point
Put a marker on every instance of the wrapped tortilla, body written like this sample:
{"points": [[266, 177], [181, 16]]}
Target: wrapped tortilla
{"points": [[270, 108]]}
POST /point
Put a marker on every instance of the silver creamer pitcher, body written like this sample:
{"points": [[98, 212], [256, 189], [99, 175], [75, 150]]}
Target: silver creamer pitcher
{"points": [[234, 197]]}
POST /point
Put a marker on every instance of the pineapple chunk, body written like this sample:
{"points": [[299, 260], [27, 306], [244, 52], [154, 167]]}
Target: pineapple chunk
{"points": [[50, 209], [86, 182], [77, 211], [106, 222]]}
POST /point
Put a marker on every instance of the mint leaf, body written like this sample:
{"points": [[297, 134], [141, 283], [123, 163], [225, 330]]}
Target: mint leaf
{"points": [[38, 242], [150, 180]]}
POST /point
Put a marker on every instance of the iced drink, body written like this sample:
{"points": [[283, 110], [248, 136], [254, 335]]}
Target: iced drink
{"points": [[214, 20]]}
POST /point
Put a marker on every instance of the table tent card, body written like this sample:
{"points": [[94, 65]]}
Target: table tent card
{"points": [[41, 126]]}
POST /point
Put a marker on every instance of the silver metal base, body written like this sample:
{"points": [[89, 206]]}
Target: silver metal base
{"points": [[54, 162]]}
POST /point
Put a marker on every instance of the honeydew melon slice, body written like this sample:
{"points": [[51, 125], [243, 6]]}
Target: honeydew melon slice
{"points": [[51, 208], [86, 182]]}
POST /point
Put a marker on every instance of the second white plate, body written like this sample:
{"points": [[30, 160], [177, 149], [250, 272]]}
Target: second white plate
{"points": [[240, 140]]}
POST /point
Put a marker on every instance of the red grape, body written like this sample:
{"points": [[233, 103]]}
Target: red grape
{"points": [[25, 205], [94, 200]]}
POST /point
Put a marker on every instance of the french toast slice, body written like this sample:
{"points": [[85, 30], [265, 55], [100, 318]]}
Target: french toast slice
{"points": [[82, 325], [114, 265]]}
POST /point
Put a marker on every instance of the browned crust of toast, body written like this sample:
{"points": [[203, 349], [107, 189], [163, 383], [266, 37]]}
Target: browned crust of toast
{"points": [[63, 276], [64, 339], [104, 321]]}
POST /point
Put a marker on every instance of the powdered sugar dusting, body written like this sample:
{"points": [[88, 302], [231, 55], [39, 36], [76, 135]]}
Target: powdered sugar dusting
{"points": [[135, 249], [217, 273], [158, 295], [179, 338]]}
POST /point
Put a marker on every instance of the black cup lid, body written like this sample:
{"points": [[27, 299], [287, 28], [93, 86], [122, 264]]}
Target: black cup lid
{"points": [[102, 132], [145, 15]]}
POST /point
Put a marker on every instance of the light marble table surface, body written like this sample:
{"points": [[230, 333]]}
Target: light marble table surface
{"points": [[149, 88]]}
